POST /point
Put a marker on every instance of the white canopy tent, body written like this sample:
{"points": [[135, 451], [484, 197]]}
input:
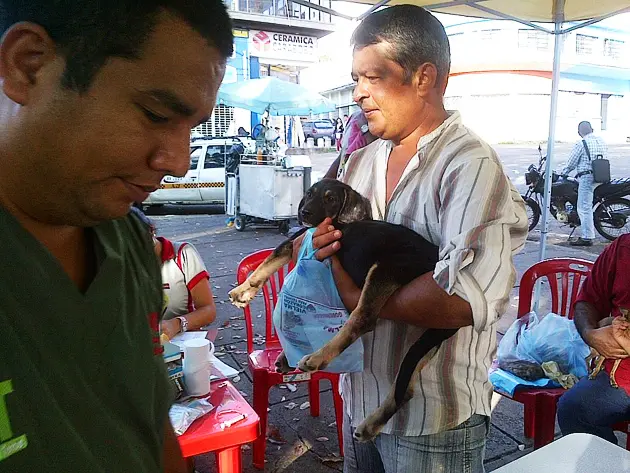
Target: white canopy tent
{"points": [[557, 13]]}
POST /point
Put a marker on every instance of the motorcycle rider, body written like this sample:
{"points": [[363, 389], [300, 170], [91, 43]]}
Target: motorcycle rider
{"points": [[580, 161]]}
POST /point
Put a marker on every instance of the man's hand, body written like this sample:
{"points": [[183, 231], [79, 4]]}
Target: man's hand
{"points": [[324, 240], [171, 327], [621, 333], [603, 340]]}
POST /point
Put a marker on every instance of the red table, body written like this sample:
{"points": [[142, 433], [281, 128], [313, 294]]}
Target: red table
{"points": [[205, 434]]}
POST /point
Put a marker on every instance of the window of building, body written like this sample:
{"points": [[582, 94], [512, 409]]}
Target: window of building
{"points": [[533, 39], [585, 45], [613, 48], [218, 124]]}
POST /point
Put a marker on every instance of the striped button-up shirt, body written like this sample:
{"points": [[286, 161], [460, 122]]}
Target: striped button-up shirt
{"points": [[578, 159], [455, 194]]}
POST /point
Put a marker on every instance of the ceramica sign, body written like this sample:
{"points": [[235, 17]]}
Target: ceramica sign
{"points": [[272, 45]]}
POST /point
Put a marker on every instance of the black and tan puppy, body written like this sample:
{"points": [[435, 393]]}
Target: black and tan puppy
{"points": [[380, 257]]}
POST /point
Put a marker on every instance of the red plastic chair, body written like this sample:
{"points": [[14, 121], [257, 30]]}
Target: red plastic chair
{"points": [[565, 277], [262, 362]]}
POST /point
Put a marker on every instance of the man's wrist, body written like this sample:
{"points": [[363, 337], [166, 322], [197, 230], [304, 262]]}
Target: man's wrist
{"points": [[590, 336]]}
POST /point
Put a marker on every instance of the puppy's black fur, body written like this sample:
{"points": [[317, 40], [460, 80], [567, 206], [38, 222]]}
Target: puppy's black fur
{"points": [[380, 257]]}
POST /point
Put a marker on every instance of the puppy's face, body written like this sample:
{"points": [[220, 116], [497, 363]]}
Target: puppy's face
{"points": [[334, 199]]}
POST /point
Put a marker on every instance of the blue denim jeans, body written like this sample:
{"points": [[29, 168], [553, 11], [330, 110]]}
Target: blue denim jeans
{"points": [[585, 206], [592, 407], [459, 450]]}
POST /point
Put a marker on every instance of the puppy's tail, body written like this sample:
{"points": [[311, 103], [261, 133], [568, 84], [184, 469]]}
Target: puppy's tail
{"points": [[426, 346]]}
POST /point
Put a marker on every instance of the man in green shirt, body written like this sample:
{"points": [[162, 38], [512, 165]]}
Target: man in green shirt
{"points": [[97, 99]]}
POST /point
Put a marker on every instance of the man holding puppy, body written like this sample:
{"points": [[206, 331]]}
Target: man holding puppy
{"points": [[431, 174]]}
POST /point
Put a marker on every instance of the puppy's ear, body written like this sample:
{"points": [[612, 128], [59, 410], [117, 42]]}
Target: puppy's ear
{"points": [[355, 207]]}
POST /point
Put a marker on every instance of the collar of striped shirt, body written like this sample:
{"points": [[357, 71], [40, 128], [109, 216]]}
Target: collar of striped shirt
{"points": [[455, 194]]}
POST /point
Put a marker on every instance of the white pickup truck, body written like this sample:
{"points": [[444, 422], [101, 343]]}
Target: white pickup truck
{"points": [[204, 183]]}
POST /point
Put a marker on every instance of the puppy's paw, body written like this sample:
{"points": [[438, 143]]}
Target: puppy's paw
{"points": [[282, 364], [242, 295], [366, 431], [313, 362]]}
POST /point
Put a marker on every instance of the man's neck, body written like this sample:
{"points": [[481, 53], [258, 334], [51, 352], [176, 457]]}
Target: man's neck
{"points": [[68, 244], [427, 125]]}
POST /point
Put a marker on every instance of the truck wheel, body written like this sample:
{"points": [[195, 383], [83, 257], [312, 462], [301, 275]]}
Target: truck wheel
{"points": [[239, 223], [284, 227]]}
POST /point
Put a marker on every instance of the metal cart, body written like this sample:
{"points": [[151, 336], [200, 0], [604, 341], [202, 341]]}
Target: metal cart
{"points": [[267, 190]]}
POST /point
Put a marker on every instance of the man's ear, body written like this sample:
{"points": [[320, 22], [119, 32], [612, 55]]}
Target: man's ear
{"points": [[426, 78], [24, 50]]}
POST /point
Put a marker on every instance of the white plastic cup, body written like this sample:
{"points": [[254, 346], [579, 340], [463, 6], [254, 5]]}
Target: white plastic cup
{"points": [[198, 381], [196, 352], [196, 366]]}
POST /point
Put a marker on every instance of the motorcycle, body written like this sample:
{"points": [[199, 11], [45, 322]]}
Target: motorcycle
{"points": [[611, 211]]}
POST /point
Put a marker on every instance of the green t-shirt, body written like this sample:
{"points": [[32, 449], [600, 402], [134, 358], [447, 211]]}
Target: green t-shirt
{"points": [[83, 386]]}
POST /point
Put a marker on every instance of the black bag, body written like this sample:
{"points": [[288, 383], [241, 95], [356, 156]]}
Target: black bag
{"points": [[599, 165]]}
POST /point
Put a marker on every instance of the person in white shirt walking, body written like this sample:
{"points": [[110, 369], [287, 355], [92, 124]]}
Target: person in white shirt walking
{"points": [[588, 148], [433, 175]]}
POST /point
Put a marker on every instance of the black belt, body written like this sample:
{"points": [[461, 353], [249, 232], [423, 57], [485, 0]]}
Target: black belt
{"points": [[583, 173]]}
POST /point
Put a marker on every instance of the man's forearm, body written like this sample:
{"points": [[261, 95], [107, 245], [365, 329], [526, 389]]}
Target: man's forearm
{"points": [[423, 303], [586, 318]]}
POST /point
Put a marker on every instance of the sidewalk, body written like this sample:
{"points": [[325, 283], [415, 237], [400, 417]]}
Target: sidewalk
{"points": [[298, 442]]}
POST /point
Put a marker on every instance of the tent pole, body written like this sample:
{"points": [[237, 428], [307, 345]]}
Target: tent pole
{"points": [[555, 83]]}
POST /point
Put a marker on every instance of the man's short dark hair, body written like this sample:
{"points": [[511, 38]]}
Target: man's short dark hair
{"points": [[416, 37], [88, 32]]}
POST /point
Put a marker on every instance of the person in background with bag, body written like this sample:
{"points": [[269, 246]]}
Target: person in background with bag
{"points": [[594, 406], [590, 147]]}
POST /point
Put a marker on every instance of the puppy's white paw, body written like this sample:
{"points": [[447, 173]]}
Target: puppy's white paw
{"points": [[242, 295], [313, 362], [366, 431]]}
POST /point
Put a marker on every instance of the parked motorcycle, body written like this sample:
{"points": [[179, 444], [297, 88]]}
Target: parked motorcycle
{"points": [[611, 211]]}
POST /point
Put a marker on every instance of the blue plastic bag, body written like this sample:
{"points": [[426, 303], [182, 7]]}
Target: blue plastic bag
{"points": [[310, 312], [535, 339]]}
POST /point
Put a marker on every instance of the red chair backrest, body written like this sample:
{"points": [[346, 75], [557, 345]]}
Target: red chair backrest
{"points": [[565, 277], [270, 291]]}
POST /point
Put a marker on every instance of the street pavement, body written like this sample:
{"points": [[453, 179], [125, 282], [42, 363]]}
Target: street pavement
{"points": [[297, 441]]}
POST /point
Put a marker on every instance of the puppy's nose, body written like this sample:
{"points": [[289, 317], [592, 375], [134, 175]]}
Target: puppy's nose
{"points": [[305, 213]]}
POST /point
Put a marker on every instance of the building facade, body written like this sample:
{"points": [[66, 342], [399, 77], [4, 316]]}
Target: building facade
{"points": [[271, 38], [501, 81]]}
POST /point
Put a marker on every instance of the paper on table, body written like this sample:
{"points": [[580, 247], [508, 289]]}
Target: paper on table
{"points": [[180, 338], [226, 370]]}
